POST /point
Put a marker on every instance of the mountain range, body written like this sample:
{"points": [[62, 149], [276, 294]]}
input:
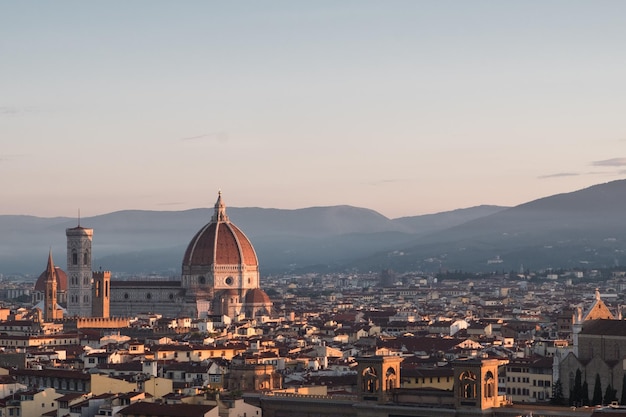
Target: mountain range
{"points": [[583, 229]]}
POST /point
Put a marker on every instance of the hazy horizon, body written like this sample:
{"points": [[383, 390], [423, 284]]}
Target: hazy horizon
{"points": [[405, 108]]}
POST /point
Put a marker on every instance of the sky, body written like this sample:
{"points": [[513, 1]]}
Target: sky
{"points": [[403, 107]]}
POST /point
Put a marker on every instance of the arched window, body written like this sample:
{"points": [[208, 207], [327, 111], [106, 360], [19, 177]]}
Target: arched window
{"points": [[86, 258], [489, 387], [467, 384], [370, 380], [74, 257], [390, 379]]}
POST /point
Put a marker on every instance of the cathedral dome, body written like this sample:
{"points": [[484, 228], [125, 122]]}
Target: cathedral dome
{"points": [[257, 296], [40, 284], [219, 243]]}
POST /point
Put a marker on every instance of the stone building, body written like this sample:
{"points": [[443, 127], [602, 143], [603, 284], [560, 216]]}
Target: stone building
{"points": [[599, 348], [79, 271], [40, 286], [474, 394], [220, 275]]}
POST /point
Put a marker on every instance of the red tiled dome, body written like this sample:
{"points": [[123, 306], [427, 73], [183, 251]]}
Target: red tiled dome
{"points": [[257, 296], [40, 285], [219, 242]]}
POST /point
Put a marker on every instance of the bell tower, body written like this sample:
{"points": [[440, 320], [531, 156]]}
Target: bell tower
{"points": [[101, 294], [476, 383], [79, 271], [377, 376], [50, 297]]}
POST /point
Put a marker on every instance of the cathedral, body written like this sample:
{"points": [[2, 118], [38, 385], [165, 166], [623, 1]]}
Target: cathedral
{"points": [[220, 276], [599, 349]]}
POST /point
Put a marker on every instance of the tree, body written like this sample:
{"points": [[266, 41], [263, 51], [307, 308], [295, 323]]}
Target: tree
{"points": [[623, 398], [576, 392], [610, 395], [585, 393], [557, 393], [597, 392]]}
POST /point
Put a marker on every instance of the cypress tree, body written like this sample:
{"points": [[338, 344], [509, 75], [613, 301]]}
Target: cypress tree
{"points": [[585, 393], [597, 392], [557, 393], [609, 395], [576, 392]]}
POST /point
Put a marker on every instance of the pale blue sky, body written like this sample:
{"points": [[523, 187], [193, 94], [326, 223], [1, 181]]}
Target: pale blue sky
{"points": [[404, 107]]}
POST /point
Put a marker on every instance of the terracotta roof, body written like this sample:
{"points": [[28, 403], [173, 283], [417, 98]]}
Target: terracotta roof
{"points": [[166, 410], [53, 373], [219, 242], [61, 276], [257, 296], [604, 327]]}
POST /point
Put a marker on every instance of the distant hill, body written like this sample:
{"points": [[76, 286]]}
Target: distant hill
{"points": [[136, 241], [585, 229]]}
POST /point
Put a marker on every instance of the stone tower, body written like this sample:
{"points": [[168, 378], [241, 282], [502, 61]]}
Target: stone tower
{"points": [[101, 294], [79, 271], [51, 311], [377, 376]]}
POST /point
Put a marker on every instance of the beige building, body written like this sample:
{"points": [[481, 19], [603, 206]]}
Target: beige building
{"points": [[439, 378], [30, 403], [529, 379]]}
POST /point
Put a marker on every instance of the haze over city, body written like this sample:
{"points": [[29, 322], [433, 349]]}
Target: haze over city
{"points": [[406, 107]]}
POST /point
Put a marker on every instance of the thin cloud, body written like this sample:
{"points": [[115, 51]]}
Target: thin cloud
{"points": [[614, 162], [5, 158], [14, 110], [6, 110], [218, 136], [559, 175]]}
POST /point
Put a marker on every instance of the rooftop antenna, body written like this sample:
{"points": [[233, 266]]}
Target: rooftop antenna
{"points": [[78, 217]]}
